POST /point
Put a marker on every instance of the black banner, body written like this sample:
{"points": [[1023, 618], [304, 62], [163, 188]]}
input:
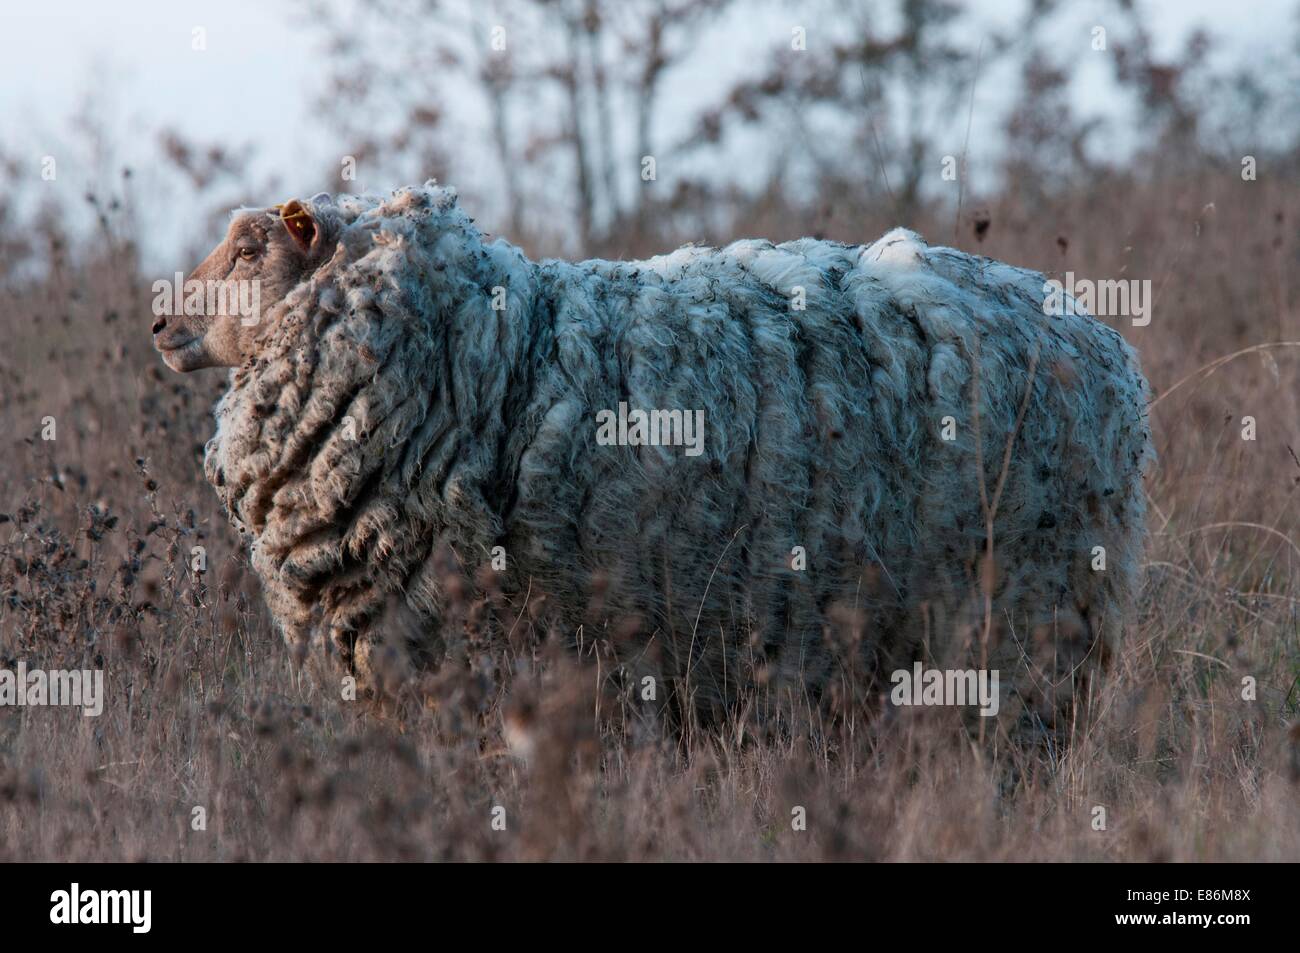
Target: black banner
{"points": [[140, 903]]}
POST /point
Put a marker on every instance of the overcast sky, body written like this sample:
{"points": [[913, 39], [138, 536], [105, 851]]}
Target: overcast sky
{"points": [[254, 81]]}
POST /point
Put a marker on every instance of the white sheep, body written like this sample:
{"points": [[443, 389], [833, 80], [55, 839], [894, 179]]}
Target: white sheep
{"points": [[838, 433]]}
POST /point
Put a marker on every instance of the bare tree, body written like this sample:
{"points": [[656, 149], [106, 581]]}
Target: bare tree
{"points": [[572, 93]]}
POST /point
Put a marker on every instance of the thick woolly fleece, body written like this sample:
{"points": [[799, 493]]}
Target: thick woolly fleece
{"points": [[393, 415]]}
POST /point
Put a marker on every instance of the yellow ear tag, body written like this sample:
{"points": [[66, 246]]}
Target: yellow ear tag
{"points": [[299, 219]]}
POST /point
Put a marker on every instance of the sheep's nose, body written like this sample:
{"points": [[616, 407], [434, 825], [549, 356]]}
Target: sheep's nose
{"points": [[159, 325]]}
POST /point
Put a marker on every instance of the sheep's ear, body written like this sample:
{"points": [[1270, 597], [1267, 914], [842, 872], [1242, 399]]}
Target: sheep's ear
{"points": [[299, 224]]}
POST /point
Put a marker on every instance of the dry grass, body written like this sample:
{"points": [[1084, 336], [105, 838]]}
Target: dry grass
{"points": [[205, 708]]}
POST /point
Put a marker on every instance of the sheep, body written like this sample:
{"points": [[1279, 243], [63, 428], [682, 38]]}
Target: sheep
{"points": [[771, 463]]}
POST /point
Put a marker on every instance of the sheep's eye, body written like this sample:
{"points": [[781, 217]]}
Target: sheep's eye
{"points": [[248, 254]]}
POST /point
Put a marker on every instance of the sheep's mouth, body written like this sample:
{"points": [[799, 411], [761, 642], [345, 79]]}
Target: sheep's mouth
{"points": [[180, 356]]}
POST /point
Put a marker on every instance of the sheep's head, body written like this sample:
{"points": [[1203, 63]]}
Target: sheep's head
{"points": [[265, 255]]}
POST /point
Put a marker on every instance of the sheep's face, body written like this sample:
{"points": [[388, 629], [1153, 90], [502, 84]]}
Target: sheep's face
{"points": [[263, 257]]}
